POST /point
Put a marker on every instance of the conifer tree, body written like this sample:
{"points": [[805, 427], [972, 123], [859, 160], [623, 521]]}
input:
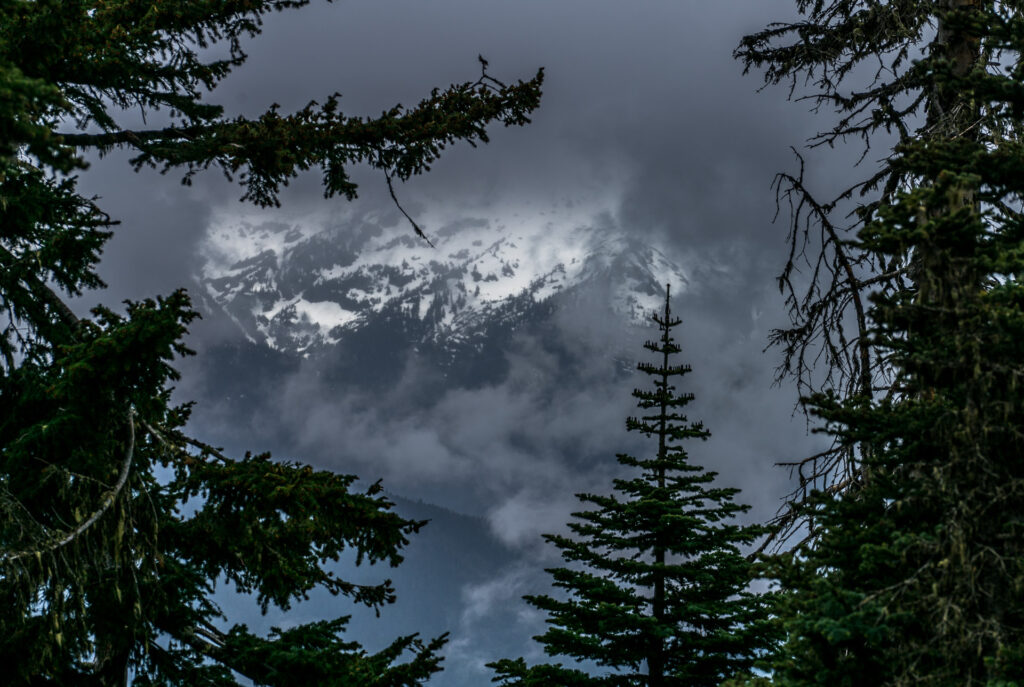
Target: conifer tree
{"points": [[656, 584], [104, 578], [875, 66], [915, 573]]}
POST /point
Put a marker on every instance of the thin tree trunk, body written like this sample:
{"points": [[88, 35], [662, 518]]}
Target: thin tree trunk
{"points": [[656, 662]]}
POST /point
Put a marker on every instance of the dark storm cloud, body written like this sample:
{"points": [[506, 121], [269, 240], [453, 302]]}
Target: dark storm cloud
{"points": [[498, 449], [160, 223], [643, 102]]}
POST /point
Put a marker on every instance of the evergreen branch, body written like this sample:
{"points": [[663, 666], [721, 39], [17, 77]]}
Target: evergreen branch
{"points": [[788, 519], [42, 291], [822, 212], [107, 501], [205, 448], [135, 138]]}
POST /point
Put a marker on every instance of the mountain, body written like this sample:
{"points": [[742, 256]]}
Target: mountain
{"points": [[483, 374], [301, 290]]}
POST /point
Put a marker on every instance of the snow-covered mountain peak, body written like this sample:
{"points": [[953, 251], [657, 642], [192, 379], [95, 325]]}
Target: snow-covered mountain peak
{"points": [[302, 285]]}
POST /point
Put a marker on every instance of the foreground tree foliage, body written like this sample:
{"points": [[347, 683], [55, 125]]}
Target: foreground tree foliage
{"points": [[914, 573], [105, 577], [875, 65], [657, 586]]}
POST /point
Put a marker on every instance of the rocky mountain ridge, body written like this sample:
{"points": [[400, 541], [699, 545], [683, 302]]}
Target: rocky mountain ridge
{"points": [[300, 289]]}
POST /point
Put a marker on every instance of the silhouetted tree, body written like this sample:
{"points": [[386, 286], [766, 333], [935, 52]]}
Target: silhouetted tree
{"points": [[656, 583], [914, 573], [880, 67]]}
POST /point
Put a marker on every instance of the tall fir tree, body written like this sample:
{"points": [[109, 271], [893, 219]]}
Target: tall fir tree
{"points": [[104, 577], [875, 65], [915, 572], [657, 587]]}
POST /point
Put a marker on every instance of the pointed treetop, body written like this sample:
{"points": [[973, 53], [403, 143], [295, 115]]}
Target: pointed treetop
{"points": [[666, 320], [655, 590]]}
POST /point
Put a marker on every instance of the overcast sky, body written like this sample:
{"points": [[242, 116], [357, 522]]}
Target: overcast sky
{"points": [[646, 123], [646, 117]]}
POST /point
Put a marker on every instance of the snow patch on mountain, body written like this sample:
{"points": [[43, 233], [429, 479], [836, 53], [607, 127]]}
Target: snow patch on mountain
{"points": [[302, 284]]}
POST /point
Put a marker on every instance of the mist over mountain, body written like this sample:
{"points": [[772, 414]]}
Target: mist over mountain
{"points": [[490, 375], [473, 374], [380, 327]]}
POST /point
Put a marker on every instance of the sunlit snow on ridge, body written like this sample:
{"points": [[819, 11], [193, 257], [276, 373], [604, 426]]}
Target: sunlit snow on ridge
{"points": [[272, 277]]}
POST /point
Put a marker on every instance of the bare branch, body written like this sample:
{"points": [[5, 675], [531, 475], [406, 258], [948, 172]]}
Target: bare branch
{"points": [[416, 227]]}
